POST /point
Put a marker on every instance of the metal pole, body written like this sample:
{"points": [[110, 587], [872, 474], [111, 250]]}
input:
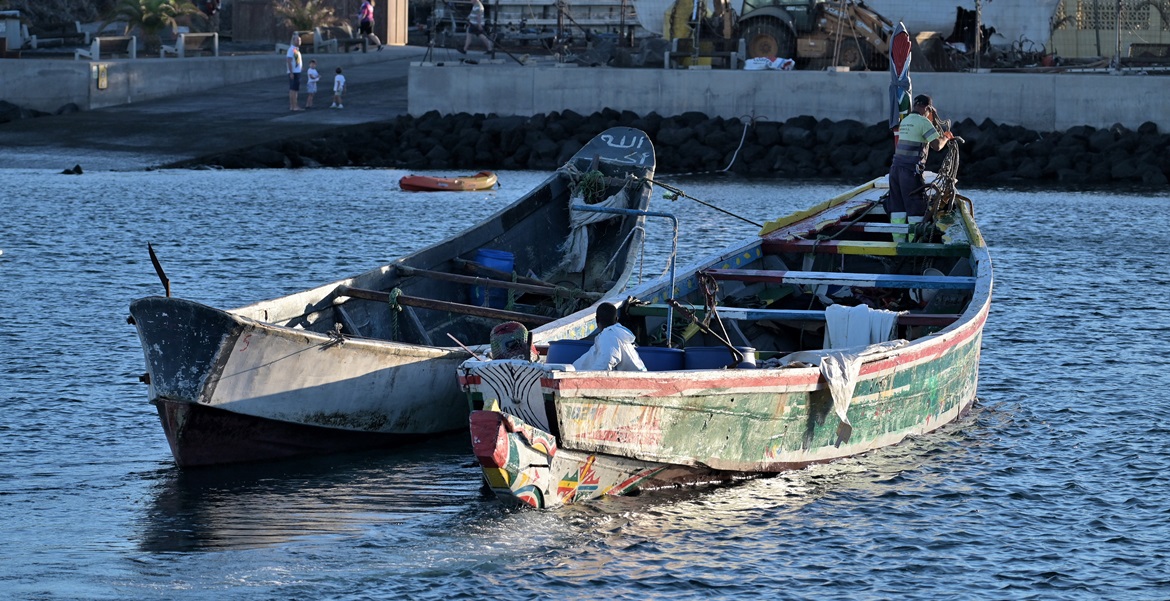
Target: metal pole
{"points": [[1097, 26], [1117, 27], [673, 251]]}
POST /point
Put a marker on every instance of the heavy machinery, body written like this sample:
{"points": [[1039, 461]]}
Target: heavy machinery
{"points": [[816, 33]]}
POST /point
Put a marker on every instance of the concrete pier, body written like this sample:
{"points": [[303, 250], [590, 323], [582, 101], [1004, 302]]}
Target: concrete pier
{"points": [[1042, 102]]}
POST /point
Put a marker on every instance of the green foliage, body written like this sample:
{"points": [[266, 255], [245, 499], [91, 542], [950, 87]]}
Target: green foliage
{"points": [[151, 16], [304, 15]]}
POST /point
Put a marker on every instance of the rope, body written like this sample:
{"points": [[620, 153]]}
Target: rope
{"points": [[618, 251], [586, 185], [511, 304], [751, 121], [395, 308], [675, 193]]}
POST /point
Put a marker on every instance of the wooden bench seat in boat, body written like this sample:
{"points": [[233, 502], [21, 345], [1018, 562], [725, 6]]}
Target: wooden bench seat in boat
{"points": [[861, 280], [860, 247], [745, 314]]}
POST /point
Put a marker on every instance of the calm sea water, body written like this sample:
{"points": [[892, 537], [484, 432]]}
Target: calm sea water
{"points": [[1054, 487]]}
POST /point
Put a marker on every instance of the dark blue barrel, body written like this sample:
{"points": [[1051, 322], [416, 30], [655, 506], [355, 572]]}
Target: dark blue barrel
{"points": [[501, 260], [657, 358], [718, 357], [567, 351]]}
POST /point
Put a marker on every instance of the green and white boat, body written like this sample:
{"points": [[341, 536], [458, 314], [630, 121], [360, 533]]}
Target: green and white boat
{"points": [[832, 334]]}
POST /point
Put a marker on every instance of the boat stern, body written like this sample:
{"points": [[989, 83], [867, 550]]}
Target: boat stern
{"points": [[515, 457]]}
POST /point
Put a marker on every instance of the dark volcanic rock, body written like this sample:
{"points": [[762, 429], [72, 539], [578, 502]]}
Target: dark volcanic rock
{"points": [[801, 147]]}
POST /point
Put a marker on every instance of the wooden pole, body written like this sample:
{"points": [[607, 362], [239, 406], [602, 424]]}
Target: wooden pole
{"points": [[490, 283], [474, 267], [436, 305]]}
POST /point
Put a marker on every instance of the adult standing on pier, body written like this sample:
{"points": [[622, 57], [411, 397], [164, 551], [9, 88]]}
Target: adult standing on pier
{"points": [[293, 61]]}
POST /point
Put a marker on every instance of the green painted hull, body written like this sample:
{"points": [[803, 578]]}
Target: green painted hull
{"points": [[547, 436]]}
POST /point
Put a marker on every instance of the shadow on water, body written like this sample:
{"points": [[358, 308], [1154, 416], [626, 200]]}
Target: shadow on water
{"points": [[264, 504]]}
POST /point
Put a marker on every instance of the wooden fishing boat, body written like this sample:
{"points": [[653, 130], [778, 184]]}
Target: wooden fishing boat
{"points": [[484, 180], [367, 361], [785, 363]]}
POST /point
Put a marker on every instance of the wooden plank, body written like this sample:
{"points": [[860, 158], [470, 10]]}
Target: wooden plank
{"points": [[490, 283], [412, 315], [880, 228], [437, 305], [861, 280], [739, 313], [347, 321], [860, 247]]}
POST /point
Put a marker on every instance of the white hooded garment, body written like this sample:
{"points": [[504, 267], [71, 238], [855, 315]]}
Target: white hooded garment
{"points": [[613, 349]]}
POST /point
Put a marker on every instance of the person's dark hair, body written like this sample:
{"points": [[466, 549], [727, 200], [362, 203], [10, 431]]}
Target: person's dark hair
{"points": [[607, 315], [923, 100]]}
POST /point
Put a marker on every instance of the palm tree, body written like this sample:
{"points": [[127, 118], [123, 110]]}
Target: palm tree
{"points": [[152, 17], [304, 15]]}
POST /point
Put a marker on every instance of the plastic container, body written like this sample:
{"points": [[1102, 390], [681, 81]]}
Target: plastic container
{"points": [[658, 358], [567, 351], [500, 260], [718, 357]]}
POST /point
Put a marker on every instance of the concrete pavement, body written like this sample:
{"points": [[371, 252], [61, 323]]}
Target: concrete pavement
{"points": [[159, 132]]}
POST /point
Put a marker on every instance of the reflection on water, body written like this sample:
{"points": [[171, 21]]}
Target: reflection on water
{"points": [[256, 505]]}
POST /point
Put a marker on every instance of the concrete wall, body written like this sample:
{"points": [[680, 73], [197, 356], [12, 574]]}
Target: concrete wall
{"points": [[48, 84], [1043, 102]]}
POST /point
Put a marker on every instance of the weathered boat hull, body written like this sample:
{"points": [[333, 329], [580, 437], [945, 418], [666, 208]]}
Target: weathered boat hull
{"points": [[484, 180], [338, 364], [546, 435], [226, 437]]}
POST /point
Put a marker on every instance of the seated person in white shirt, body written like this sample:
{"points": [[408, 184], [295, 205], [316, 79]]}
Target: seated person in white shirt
{"points": [[613, 348]]}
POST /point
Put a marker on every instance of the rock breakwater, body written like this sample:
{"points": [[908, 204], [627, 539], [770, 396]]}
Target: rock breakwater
{"points": [[801, 147]]}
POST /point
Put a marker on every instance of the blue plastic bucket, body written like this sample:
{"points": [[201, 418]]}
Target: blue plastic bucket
{"points": [[718, 357], [657, 358], [567, 351], [500, 260]]}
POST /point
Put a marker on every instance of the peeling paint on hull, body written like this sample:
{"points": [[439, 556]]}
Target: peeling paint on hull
{"points": [[546, 435], [338, 363]]}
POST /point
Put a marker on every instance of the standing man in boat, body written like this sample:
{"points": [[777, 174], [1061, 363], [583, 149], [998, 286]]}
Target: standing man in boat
{"points": [[613, 349], [917, 136]]}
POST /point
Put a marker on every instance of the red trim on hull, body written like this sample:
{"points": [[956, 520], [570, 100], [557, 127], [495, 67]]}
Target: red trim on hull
{"points": [[201, 435], [489, 441]]}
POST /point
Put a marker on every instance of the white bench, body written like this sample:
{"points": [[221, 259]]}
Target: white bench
{"points": [[189, 44], [109, 45], [319, 43]]}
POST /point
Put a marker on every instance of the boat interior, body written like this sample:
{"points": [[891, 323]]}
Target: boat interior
{"points": [[513, 267], [772, 297]]}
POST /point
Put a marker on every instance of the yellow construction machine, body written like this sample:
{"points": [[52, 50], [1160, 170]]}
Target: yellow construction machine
{"points": [[815, 33]]}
